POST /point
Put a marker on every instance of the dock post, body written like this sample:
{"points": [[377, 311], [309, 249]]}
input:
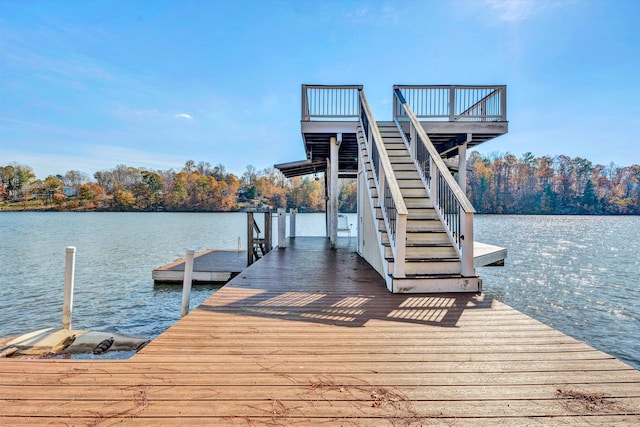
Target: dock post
{"points": [[292, 222], [69, 278], [282, 224], [186, 284], [249, 238], [268, 239], [334, 147]]}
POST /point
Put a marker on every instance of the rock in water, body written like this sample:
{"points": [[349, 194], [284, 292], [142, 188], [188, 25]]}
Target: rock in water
{"points": [[103, 346]]}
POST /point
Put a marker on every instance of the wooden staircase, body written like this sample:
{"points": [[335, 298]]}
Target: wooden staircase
{"points": [[431, 261]]}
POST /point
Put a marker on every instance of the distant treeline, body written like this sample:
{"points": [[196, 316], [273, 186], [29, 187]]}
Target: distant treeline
{"points": [[505, 184], [196, 187], [499, 183]]}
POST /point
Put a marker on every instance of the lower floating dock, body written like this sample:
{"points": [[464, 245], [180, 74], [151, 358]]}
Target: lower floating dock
{"points": [[309, 335], [209, 266]]}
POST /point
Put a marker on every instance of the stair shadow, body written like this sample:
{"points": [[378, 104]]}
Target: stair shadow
{"points": [[443, 310], [311, 283]]}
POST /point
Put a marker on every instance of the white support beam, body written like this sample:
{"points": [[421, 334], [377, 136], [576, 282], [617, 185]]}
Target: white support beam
{"points": [[462, 164], [334, 147], [327, 197]]}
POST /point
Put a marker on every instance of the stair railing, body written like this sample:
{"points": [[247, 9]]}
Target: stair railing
{"points": [[258, 246], [391, 203], [451, 204]]}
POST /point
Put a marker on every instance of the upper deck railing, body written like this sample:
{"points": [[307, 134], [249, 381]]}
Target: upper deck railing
{"points": [[454, 103], [320, 102]]}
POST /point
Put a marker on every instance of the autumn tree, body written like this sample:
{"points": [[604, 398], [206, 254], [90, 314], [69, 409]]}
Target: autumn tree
{"points": [[551, 185], [348, 197], [307, 194], [91, 195], [123, 199], [15, 179], [74, 179]]}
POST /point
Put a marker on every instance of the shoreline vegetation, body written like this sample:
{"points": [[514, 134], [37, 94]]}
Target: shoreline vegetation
{"points": [[497, 184]]}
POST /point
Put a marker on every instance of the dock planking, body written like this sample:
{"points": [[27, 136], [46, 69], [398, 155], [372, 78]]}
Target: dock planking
{"points": [[310, 335], [209, 266]]}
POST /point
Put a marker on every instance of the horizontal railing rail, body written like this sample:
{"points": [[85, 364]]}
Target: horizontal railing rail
{"points": [[390, 201], [321, 102], [451, 204], [454, 103]]}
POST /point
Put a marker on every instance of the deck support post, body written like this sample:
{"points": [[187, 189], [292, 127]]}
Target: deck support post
{"points": [[334, 143], [282, 228], [249, 238], [268, 240], [462, 165], [326, 199], [468, 269], [69, 278], [186, 284], [292, 222]]}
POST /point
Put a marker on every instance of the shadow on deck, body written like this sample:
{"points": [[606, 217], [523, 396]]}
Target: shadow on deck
{"points": [[309, 282]]}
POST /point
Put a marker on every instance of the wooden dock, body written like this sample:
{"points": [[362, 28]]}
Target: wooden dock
{"points": [[309, 336], [209, 266]]}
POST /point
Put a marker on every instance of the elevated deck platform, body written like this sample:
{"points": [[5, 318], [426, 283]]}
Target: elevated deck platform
{"points": [[309, 335]]}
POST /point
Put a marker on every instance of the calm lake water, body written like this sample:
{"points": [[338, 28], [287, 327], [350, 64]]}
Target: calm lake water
{"points": [[578, 274]]}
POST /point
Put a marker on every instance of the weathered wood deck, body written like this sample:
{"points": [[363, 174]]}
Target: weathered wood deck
{"points": [[311, 336], [211, 265]]}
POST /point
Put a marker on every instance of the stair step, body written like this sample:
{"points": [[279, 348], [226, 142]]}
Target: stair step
{"points": [[397, 149], [386, 243], [418, 202], [405, 165], [409, 183], [432, 266], [416, 225], [426, 252], [422, 213], [414, 192], [407, 174], [397, 155], [420, 225], [422, 238], [415, 214], [393, 141], [436, 284]]}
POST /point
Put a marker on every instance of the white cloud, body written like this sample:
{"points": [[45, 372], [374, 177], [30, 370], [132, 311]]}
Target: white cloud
{"points": [[184, 116], [512, 10], [384, 15]]}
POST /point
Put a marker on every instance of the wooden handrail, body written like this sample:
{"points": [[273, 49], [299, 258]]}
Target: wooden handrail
{"points": [[384, 159], [396, 226], [443, 169], [457, 217]]}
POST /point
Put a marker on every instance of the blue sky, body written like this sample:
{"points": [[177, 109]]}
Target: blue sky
{"points": [[87, 85]]}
